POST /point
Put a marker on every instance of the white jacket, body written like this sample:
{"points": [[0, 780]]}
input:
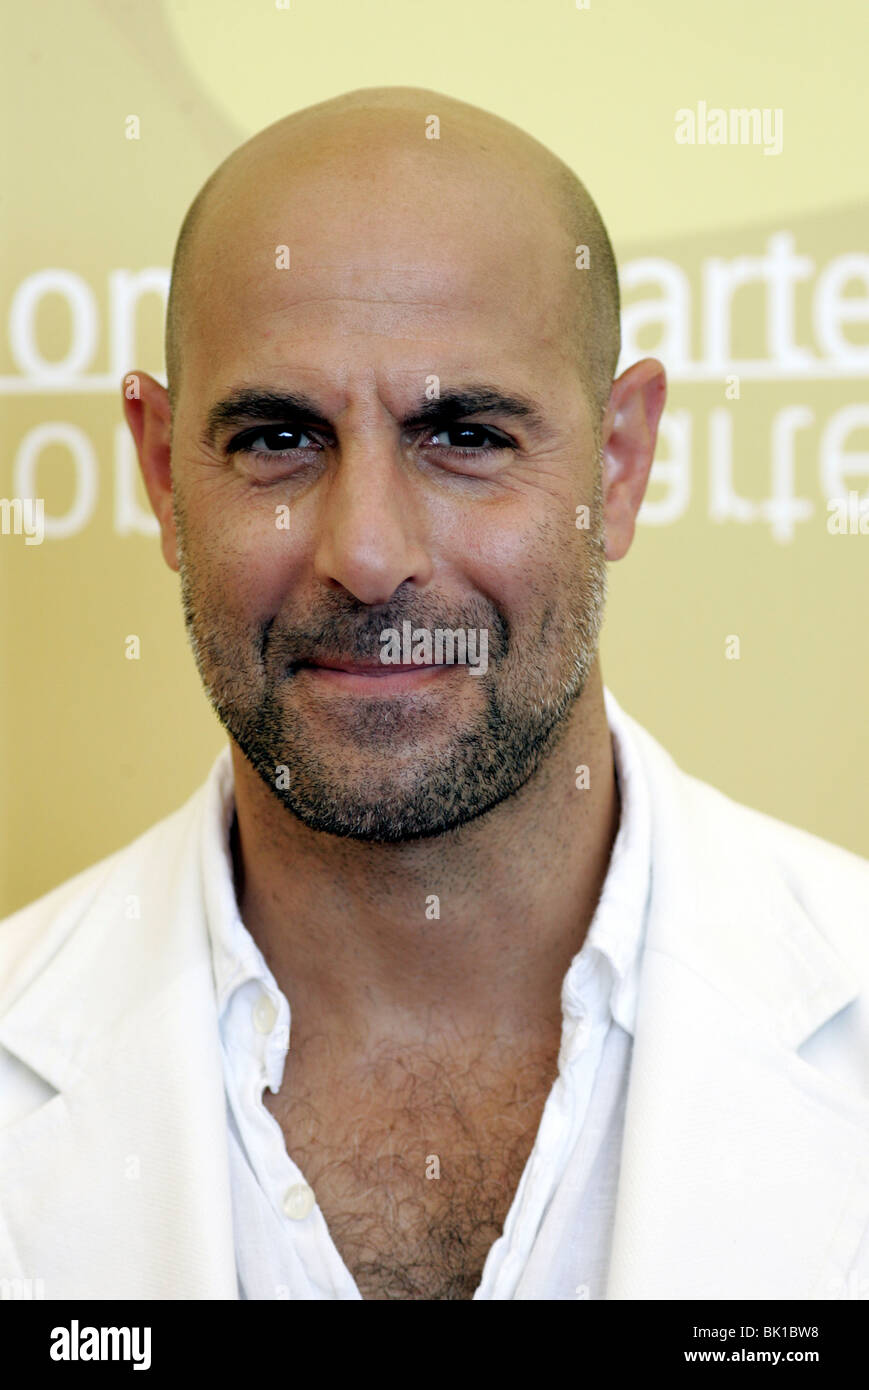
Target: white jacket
{"points": [[745, 1166]]}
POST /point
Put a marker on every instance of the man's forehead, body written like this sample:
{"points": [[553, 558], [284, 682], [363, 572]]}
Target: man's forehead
{"points": [[452, 223], [436, 308], [297, 252], [411, 303]]}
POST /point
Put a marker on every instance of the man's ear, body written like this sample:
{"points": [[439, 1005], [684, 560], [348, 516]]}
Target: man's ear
{"points": [[149, 417], [628, 439]]}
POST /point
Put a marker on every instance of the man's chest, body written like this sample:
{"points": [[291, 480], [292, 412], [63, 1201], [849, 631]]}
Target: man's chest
{"points": [[415, 1164]]}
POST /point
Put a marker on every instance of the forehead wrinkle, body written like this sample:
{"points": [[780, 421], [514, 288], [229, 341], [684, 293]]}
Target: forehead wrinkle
{"points": [[365, 299], [515, 311]]}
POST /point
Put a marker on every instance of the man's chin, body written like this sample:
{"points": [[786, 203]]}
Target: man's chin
{"points": [[366, 803], [382, 782], [378, 823]]}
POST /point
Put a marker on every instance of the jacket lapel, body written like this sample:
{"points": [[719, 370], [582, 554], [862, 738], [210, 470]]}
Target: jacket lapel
{"points": [[744, 1171], [120, 1181]]}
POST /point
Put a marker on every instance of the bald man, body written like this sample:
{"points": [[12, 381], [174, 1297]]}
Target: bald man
{"points": [[448, 984]]}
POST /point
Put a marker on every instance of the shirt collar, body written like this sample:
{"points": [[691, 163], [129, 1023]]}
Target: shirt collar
{"points": [[617, 928], [615, 934], [236, 958]]}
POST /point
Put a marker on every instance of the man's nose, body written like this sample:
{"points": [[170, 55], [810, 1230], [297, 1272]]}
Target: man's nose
{"points": [[371, 524]]}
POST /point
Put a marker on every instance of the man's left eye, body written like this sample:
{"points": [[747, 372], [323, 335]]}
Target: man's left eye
{"points": [[472, 438]]}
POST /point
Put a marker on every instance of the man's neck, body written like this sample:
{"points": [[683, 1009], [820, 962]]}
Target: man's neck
{"points": [[460, 935]]}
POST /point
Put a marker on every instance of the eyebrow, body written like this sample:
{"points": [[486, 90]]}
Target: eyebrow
{"points": [[252, 406]]}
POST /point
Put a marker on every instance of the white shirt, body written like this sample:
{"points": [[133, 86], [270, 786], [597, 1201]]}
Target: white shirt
{"points": [[556, 1238]]}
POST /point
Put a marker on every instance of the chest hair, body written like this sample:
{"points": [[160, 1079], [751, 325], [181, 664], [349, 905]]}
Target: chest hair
{"points": [[415, 1157]]}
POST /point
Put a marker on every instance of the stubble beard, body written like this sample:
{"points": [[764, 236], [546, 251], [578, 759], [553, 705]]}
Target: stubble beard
{"points": [[392, 786]]}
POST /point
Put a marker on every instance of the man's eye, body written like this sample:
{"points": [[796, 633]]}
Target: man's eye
{"points": [[471, 439], [272, 442]]}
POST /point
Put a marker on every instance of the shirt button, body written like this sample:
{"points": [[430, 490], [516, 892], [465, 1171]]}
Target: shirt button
{"points": [[298, 1201], [264, 1014]]}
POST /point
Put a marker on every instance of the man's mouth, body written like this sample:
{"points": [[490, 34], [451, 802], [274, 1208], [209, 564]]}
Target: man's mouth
{"points": [[367, 676], [369, 668]]}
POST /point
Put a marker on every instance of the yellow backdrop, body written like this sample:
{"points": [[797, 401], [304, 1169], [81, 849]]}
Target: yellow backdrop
{"points": [[725, 146]]}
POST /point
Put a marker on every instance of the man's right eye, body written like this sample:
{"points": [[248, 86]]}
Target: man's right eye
{"points": [[272, 442]]}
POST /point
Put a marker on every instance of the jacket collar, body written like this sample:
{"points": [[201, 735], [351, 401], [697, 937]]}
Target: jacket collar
{"points": [[120, 1020], [744, 1170], [722, 904]]}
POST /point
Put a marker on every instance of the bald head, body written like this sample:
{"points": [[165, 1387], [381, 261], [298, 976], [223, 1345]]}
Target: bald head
{"points": [[478, 160]]}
